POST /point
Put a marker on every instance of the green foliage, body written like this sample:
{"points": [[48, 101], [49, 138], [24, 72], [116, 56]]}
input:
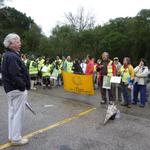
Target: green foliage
{"points": [[13, 21], [120, 37]]}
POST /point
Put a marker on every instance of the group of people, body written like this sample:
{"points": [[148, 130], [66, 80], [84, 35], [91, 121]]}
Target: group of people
{"points": [[133, 81], [48, 72], [21, 74]]}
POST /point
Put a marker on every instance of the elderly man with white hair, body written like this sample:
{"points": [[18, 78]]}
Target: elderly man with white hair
{"points": [[16, 83], [106, 69]]}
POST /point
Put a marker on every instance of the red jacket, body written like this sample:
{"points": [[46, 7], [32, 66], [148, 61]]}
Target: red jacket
{"points": [[90, 68]]}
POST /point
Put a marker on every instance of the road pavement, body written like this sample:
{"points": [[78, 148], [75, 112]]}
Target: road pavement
{"points": [[66, 121]]}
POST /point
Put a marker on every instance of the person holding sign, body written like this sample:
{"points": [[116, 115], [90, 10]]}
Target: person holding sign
{"points": [[116, 83], [106, 70], [46, 72]]}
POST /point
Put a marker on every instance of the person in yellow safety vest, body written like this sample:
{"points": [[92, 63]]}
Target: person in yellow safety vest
{"points": [[108, 69], [63, 61], [46, 72], [41, 61], [58, 68], [58, 60], [127, 75], [68, 64], [33, 72]]}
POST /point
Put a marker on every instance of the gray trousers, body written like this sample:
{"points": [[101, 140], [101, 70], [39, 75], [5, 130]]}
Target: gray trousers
{"points": [[16, 109]]}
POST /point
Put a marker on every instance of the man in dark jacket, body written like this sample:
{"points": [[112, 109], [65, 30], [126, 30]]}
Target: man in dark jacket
{"points": [[106, 69], [16, 83]]}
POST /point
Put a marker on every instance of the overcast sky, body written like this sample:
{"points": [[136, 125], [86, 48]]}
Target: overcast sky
{"points": [[48, 13]]}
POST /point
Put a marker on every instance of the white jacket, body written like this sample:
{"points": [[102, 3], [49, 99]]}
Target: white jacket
{"points": [[141, 74]]}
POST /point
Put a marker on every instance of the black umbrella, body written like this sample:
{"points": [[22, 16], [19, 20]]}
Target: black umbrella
{"points": [[30, 107]]}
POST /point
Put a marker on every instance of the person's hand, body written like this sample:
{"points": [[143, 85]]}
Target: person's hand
{"points": [[141, 64]]}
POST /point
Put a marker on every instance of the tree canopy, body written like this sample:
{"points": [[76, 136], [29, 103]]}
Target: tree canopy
{"points": [[121, 37]]}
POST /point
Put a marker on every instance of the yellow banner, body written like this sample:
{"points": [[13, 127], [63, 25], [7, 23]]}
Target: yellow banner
{"points": [[82, 84]]}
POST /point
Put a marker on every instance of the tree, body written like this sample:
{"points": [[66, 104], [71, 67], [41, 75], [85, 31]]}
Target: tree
{"points": [[63, 39], [81, 21], [121, 37], [144, 13], [15, 21], [31, 39]]}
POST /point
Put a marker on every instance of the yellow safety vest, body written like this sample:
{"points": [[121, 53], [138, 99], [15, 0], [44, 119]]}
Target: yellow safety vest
{"points": [[33, 70], [125, 74], [40, 64], [60, 61], [47, 73], [95, 68], [109, 69], [69, 67]]}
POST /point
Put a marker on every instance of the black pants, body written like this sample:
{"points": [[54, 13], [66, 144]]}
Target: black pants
{"points": [[46, 81]]}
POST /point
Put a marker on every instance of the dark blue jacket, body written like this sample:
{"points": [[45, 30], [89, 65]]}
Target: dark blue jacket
{"points": [[14, 73]]}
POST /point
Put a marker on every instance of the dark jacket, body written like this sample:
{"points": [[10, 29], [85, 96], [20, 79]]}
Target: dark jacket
{"points": [[77, 68], [14, 73], [102, 68]]}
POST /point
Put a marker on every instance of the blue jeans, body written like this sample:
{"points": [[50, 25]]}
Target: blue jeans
{"points": [[58, 80], [126, 94], [142, 89]]}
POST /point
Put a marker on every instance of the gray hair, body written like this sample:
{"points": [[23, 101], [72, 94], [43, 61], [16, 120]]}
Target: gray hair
{"points": [[105, 53], [10, 38]]}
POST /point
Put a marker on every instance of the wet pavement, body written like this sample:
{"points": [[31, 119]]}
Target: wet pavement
{"points": [[130, 132]]}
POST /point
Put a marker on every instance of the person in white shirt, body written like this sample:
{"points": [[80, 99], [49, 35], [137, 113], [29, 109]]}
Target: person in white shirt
{"points": [[141, 74], [83, 66]]}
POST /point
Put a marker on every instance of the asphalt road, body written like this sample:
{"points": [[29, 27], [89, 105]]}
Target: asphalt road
{"points": [[66, 124]]}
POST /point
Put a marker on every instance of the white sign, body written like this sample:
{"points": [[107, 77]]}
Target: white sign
{"points": [[115, 79], [54, 74], [45, 69]]}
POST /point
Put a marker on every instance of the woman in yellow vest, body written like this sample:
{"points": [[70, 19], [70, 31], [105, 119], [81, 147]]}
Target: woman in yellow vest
{"points": [[127, 74], [33, 71], [68, 65], [46, 72]]}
